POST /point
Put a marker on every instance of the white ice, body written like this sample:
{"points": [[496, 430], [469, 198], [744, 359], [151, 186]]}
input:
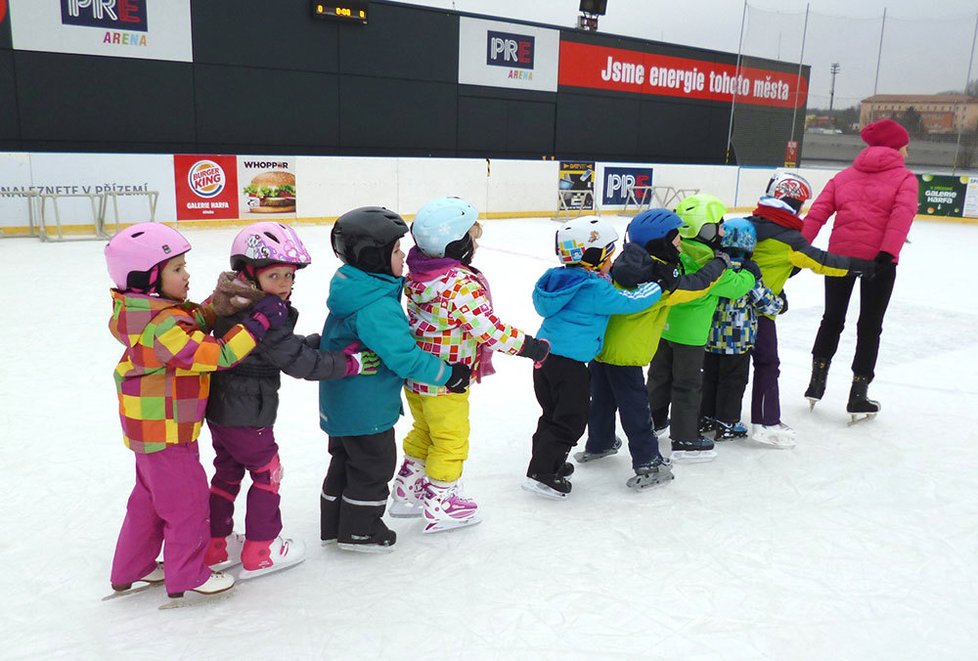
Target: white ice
{"points": [[861, 543]]}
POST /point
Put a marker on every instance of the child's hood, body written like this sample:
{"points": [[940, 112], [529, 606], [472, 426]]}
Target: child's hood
{"points": [[132, 313], [352, 289], [557, 287], [877, 159]]}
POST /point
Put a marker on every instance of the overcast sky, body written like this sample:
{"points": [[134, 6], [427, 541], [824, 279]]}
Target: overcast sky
{"points": [[926, 45]]}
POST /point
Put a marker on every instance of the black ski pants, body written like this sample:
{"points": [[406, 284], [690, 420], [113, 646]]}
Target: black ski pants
{"points": [[355, 491], [676, 379], [562, 388], [725, 379], [874, 297]]}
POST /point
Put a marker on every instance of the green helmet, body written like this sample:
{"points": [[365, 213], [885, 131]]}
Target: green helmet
{"points": [[701, 214]]}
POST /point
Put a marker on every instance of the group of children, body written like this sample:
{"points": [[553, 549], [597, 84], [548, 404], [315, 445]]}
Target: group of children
{"points": [[690, 295]]}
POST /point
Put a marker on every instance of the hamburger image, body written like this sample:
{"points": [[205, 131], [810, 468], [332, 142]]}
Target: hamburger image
{"points": [[271, 192]]}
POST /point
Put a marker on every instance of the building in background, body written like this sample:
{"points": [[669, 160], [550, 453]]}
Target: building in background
{"points": [[939, 113]]}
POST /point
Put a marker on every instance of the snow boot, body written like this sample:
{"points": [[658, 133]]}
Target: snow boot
{"points": [[860, 406], [259, 558], [651, 475], [407, 496], [445, 508], [381, 541], [586, 456], [548, 485], [816, 387], [777, 436], [729, 431], [224, 552], [693, 451]]}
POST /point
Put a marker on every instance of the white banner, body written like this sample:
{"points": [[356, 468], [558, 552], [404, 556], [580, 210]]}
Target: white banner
{"points": [[508, 55], [143, 29]]}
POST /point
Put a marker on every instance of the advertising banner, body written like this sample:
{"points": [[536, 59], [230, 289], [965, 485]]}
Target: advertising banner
{"points": [[206, 186], [619, 70], [266, 187], [508, 55], [944, 195], [618, 181], [144, 29], [4, 25], [577, 184]]}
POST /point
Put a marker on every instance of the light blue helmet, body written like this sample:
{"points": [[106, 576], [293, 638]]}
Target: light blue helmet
{"points": [[442, 223], [739, 238]]}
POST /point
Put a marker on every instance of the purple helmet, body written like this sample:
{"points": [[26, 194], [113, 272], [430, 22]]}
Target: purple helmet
{"points": [[134, 254], [263, 244]]}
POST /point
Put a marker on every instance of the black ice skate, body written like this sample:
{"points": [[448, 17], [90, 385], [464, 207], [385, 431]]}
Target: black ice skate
{"points": [[566, 470], [651, 475], [548, 485], [816, 387], [730, 431], [860, 406], [707, 425], [381, 541], [585, 456], [693, 451]]}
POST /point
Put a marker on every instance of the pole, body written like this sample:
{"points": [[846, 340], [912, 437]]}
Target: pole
{"points": [[879, 54], [834, 69], [963, 113], [733, 101], [801, 58]]}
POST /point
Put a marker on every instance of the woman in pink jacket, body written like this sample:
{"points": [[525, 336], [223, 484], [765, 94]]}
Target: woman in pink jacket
{"points": [[874, 202]]}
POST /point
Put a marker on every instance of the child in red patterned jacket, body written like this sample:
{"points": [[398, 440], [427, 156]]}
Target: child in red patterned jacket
{"points": [[451, 316], [163, 382]]}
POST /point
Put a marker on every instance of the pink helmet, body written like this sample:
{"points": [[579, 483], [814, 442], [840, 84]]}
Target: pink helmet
{"points": [[139, 249], [266, 243]]}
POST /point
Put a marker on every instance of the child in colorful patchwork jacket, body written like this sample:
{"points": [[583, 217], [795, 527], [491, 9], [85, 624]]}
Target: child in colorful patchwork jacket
{"points": [[726, 365], [163, 381], [617, 373], [450, 310], [359, 414], [243, 405]]}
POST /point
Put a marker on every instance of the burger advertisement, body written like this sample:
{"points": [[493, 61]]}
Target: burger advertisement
{"points": [[206, 186], [268, 185]]}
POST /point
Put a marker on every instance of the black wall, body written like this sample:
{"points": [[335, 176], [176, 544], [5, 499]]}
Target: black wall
{"points": [[283, 82]]}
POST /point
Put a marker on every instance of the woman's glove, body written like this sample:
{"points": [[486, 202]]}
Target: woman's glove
{"points": [[885, 262]]}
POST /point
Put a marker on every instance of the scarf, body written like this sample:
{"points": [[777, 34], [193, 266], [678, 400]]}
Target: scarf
{"points": [[778, 212], [424, 269]]}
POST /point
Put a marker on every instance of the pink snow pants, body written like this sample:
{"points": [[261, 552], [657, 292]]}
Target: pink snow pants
{"points": [[168, 507]]}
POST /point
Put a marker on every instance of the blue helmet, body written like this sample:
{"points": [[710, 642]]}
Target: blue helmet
{"points": [[739, 237], [442, 223], [651, 225]]}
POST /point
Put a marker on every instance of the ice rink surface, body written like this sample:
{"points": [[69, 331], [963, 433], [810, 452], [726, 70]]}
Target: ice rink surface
{"points": [[860, 543]]}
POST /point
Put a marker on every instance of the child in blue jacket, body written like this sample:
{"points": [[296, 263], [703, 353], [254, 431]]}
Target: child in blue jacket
{"points": [[364, 306], [576, 301], [726, 365]]}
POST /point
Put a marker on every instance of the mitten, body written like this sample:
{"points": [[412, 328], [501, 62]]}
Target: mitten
{"points": [[360, 361], [269, 312], [458, 381], [723, 257], [534, 349], [667, 276], [231, 294], [751, 267], [884, 262]]}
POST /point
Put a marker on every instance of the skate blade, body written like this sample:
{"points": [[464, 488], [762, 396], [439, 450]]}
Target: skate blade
{"points": [[782, 444], [650, 484], [366, 548], [585, 457], [693, 456], [136, 590], [856, 418], [246, 574], [191, 598], [542, 490], [327, 542], [403, 510], [448, 526], [811, 403]]}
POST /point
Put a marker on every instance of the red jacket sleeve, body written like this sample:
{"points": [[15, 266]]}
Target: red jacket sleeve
{"points": [[901, 216], [821, 211]]}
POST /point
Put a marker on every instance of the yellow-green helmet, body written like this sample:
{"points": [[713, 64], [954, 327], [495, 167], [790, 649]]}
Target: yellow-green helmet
{"points": [[701, 215]]}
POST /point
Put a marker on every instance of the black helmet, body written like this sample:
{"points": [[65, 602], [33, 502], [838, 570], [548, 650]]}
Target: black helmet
{"points": [[365, 238]]}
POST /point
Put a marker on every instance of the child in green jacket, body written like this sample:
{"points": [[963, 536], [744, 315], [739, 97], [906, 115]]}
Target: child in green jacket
{"points": [[675, 374]]}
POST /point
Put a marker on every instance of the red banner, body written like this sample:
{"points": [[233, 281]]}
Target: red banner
{"points": [[599, 67], [206, 186]]}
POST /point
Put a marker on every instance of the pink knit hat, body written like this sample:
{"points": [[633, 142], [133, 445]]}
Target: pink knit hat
{"points": [[885, 133]]}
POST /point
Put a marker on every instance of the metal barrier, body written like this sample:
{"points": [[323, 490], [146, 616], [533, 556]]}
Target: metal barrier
{"points": [[665, 197], [574, 200], [99, 204]]}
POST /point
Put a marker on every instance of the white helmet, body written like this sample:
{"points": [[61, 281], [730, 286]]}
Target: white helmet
{"points": [[441, 228], [586, 240], [791, 188]]}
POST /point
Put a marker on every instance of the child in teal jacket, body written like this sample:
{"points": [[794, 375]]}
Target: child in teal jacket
{"points": [[675, 374], [365, 310]]}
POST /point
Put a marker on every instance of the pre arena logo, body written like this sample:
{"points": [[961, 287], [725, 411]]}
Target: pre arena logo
{"points": [[509, 50], [111, 14], [206, 179]]}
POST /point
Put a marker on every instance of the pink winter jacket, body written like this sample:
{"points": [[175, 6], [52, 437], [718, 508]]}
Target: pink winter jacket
{"points": [[874, 202]]}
